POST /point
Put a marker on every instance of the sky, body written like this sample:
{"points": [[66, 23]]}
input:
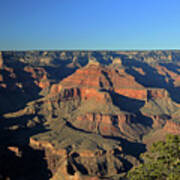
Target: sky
{"points": [[89, 24]]}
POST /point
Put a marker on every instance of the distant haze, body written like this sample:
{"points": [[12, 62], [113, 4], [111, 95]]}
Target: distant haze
{"points": [[89, 24]]}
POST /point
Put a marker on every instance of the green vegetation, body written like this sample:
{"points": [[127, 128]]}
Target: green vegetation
{"points": [[161, 163]]}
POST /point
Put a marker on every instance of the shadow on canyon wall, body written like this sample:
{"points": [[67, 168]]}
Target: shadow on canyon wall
{"points": [[151, 77], [25, 162]]}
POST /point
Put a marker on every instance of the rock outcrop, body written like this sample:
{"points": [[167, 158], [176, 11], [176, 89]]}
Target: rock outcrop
{"points": [[39, 75], [72, 165], [121, 125], [157, 93], [140, 94], [172, 127], [98, 77]]}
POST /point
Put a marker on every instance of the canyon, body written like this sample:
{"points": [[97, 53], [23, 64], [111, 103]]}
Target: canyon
{"points": [[84, 115]]}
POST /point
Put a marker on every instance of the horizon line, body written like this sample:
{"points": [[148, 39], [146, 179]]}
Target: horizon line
{"points": [[79, 49]]}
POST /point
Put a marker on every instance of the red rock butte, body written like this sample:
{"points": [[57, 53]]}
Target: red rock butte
{"points": [[93, 78]]}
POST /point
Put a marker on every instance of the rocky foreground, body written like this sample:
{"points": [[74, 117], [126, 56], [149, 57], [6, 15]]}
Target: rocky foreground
{"points": [[84, 114]]}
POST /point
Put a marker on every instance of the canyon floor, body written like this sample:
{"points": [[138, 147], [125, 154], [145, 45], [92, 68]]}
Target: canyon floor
{"points": [[84, 115]]}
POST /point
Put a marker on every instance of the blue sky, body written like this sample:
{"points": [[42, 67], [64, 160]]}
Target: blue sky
{"points": [[89, 24]]}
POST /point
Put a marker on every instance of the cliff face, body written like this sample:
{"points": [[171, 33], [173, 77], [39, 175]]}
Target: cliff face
{"points": [[25, 78], [157, 94], [169, 74], [39, 75], [79, 165], [97, 76], [121, 125], [87, 81], [83, 93], [172, 127], [140, 94]]}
